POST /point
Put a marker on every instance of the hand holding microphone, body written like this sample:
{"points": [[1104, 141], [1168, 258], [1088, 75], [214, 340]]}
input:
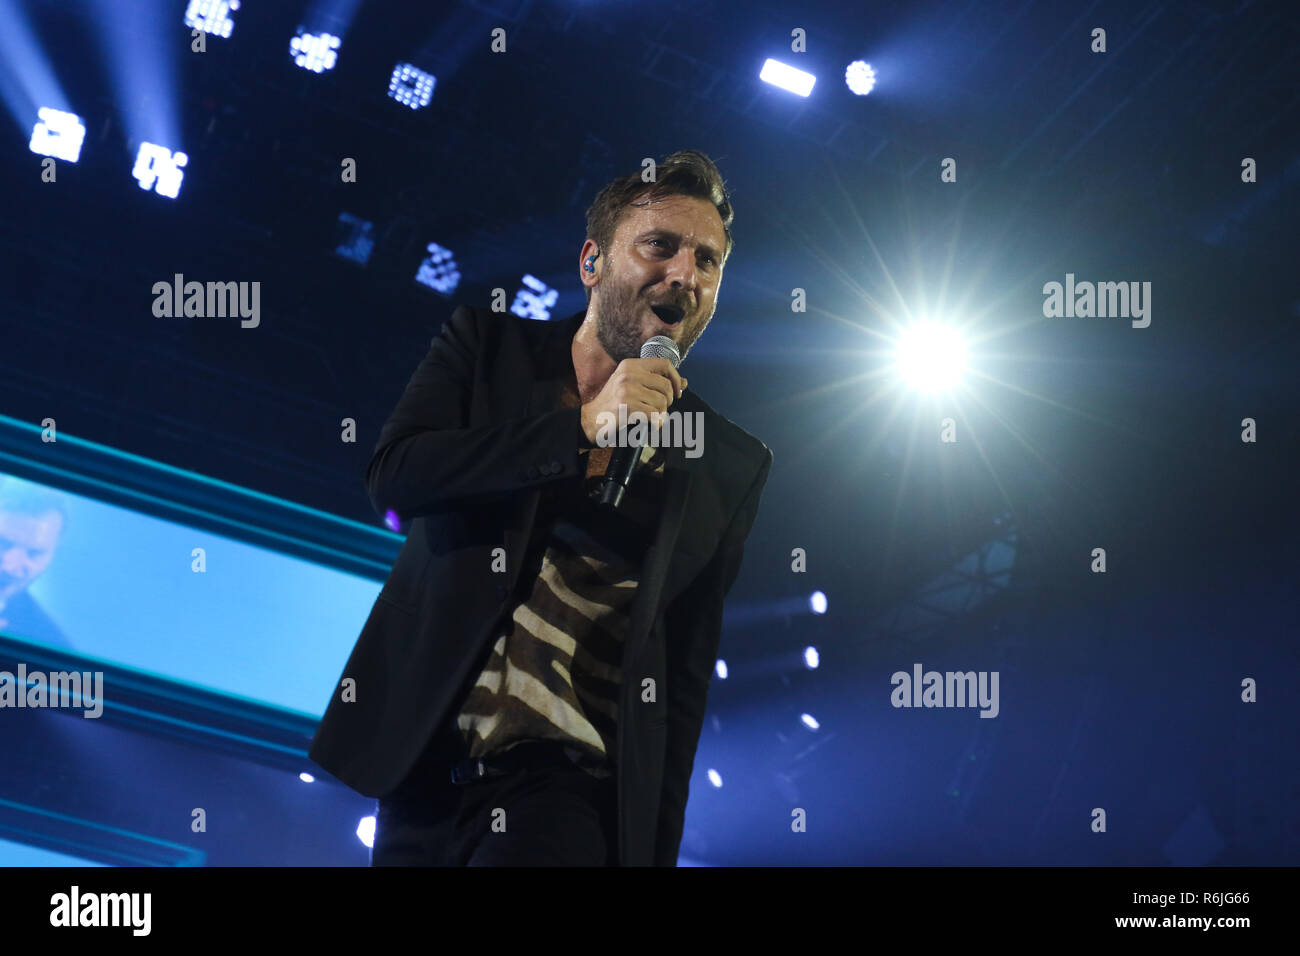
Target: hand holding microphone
{"points": [[647, 385]]}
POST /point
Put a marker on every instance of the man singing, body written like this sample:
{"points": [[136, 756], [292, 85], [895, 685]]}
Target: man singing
{"points": [[530, 685]]}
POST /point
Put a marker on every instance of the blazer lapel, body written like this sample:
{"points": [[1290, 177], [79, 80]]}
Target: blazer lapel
{"points": [[654, 570], [553, 366]]}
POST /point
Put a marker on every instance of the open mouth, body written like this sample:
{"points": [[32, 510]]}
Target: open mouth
{"points": [[668, 314]]}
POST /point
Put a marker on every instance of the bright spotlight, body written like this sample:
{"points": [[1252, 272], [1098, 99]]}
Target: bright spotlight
{"points": [[817, 602], [366, 831], [535, 301], [158, 168], [931, 357], [809, 721], [722, 669], [211, 16], [860, 77], [411, 86], [438, 270], [811, 658], [305, 777], [315, 51], [787, 77], [57, 134], [715, 778]]}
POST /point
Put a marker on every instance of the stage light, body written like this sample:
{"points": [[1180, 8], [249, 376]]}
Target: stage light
{"points": [[305, 777], [811, 658], [817, 602], [411, 86], [715, 778], [721, 669], [809, 721], [931, 357], [314, 51], [535, 301], [860, 77], [57, 134], [211, 16], [356, 239], [158, 165], [438, 270], [787, 77], [366, 831]]}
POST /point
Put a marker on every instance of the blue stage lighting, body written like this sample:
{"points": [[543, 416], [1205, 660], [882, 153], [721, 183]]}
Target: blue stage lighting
{"points": [[411, 86], [535, 301], [158, 165], [817, 602], [438, 270], [314, 51], [366, 831], [787, 77], [860, 77], [811, 658], [57, 134], [211, 16], [356, 238]]}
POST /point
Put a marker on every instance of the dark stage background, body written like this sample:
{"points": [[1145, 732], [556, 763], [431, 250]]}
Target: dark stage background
{"points": [[1119, 690]]}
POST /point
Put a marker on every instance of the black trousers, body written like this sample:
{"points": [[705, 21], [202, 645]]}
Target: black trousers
{"points": [[556, 815]]}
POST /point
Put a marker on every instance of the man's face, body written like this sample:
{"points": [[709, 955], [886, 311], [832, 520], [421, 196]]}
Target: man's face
{"points": [[666, 253], [26, 548]]}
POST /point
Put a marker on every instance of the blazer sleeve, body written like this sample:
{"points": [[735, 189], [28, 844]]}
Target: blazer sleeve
{"points": [[427, 459], [693, 626]]}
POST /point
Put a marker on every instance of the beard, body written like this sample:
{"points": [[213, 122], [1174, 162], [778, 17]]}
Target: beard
{"points": [[619, 321]]}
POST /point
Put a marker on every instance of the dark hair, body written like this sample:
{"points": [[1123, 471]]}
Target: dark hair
{"points": [[687, 172]]}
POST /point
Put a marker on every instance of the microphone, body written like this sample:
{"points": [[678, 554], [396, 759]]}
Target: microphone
{"points": [[625, 460]]}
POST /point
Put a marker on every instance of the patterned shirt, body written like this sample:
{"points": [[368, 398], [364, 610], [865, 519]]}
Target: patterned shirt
{"points": [[555, 671]]}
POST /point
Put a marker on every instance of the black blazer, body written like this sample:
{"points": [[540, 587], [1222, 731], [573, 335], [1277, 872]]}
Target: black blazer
{"points": [[478, 431]]}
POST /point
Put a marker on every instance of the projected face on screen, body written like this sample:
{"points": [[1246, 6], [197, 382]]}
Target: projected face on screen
{"points": [[100, 580], [27, 545]]}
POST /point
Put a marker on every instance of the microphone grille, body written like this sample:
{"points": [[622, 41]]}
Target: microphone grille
{"points": [[661, 346]]}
